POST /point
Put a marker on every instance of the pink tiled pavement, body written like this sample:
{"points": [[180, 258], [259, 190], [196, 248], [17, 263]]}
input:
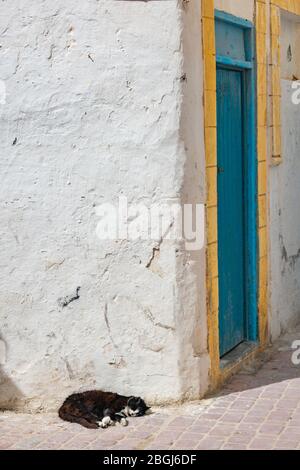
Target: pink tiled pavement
{"points": [[258, 409]]}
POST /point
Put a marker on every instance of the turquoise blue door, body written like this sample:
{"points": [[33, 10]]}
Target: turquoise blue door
{"points": [[231, 209], [237, 181]]}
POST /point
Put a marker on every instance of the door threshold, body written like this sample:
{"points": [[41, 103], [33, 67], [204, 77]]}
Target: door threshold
{"points": [[237, 354]]}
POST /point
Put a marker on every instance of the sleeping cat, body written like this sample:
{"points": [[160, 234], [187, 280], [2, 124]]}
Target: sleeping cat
{"points": [[94, 409]]}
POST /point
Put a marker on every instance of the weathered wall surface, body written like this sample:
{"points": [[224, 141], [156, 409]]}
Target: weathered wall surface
{"points": [[290, 54], [93, 112], [285, 196], [242, 9], [191, 273], [104, 99]]}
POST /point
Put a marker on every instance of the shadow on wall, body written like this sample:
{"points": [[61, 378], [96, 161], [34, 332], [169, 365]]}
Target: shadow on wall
{"points": [[10, 395], [194, 358]]}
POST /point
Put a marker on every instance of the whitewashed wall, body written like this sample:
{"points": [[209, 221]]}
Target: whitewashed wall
{"points": [[285, 195], [241, 8], [95, 99], [104, 99]]}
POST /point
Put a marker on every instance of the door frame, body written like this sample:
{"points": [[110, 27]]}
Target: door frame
{"points": [[217, 373], [247, 68]]}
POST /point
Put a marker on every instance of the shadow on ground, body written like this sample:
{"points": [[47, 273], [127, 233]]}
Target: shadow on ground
{"points": [[273, 366]]}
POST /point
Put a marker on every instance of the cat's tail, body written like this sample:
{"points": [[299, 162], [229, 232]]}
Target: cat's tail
{"points": [[63, 414]]}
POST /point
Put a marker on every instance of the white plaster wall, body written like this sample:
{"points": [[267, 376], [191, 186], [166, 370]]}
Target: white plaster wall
{"points": [[285, 222], [285, 194], [290, 52], [93, 111], [240, 8], [191, 274]]}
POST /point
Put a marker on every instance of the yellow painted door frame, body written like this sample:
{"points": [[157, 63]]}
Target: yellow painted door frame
{"points": [[263, 11], [218, 375]]}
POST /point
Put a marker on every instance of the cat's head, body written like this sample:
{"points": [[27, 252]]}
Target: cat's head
{"points": [[136, 406]]}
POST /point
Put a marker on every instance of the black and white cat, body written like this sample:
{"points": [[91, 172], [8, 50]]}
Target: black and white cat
{"points": [[95, 408]]}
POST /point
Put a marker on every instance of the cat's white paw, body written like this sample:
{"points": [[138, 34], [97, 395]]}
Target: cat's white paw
{"points": [[106, 421], [123, 422]]}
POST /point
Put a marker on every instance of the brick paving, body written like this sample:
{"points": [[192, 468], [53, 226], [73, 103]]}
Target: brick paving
{"points": [[258, 409]]}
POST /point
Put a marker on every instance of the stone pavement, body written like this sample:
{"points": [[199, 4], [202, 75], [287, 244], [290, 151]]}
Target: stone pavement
{"points": [[258, 409]]}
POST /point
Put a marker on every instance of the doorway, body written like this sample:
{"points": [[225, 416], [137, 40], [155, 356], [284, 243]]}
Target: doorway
{"points": [[236, 182]]}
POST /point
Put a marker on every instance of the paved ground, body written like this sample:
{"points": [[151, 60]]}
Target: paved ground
{"points": [[258, 409]]}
